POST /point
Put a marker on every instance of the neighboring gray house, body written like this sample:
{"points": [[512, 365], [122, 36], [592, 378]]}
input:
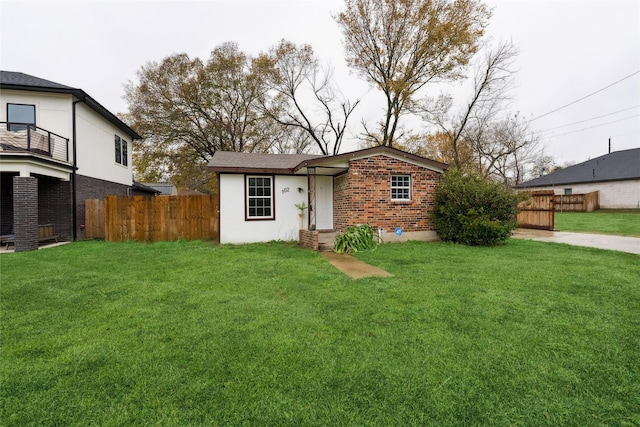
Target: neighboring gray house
{"points": [[615, 175]]}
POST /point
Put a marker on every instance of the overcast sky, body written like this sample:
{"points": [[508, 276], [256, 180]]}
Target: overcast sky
{"points": [[568, 51]]}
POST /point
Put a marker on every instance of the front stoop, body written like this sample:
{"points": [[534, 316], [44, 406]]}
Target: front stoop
{"points": [[326, 240], [317, 240]]}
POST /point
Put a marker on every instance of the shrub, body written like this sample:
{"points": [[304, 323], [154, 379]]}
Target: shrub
{"points": [[356, 238], [470, 210]]}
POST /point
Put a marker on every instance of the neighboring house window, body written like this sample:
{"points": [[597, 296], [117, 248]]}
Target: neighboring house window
{"points": [[400, 187], [122, 155], [19, 116], [259, 203], [567, 191]]}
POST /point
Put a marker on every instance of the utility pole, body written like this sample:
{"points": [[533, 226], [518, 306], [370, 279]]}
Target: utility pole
{"points": [[609, 145]]}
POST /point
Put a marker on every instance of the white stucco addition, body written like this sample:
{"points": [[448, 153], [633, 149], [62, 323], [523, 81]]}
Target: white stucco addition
{"points": [[235, 228]]}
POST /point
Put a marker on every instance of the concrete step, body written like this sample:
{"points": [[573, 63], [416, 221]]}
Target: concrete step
{"points": [[325, 247], [326, 240]]}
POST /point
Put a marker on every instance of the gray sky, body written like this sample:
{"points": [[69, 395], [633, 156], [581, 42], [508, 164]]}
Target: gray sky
{"points": [[568, 50]]}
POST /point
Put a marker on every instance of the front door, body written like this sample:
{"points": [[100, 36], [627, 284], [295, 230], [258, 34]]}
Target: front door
{"points": [[324, 202]]}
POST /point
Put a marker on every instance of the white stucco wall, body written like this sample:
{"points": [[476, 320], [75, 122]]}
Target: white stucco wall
{"points": [[235, 229], [613, 195], [95, 135], [53, 111], [96, 148]]}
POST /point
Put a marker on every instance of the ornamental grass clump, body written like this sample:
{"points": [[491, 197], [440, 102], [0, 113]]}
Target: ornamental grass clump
{"points": [[473, 211], [356, 238]]}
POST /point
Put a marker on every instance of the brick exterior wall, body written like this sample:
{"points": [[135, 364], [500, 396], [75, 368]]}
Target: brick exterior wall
{"points": [[6, 203], [363, 195], [25, 218], [53, 202], [309, 239], [54, 206]]}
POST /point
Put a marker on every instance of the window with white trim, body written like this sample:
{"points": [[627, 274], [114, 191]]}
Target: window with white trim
{"points": [[259, 203], [400, 187], [122, 152]]}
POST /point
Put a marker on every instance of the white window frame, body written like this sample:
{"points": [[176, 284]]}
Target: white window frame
{"points": [[249, 214], [404, 187]]}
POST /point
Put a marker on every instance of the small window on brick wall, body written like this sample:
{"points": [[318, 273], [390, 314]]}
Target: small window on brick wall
{"points": [[401, 187], [122, 152]]}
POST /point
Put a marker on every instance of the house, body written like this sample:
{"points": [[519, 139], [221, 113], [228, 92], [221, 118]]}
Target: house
{"points": [[58, 147], [387, 188], [616, 176]]}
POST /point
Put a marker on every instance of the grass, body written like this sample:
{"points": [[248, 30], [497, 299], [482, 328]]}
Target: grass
{"points": [[190, 334], [622, 222]]}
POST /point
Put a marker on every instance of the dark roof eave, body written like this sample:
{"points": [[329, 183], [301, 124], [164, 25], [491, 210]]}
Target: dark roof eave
{"points": [[372, 150], [82, 96], [269, 171], [141, 187]]}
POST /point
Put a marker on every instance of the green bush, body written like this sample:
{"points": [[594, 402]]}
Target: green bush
{"points": [[470, 210], [356, 238]]}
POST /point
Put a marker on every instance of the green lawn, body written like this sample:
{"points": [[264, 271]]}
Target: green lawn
{"points": [[190, 334], [622, 222]]}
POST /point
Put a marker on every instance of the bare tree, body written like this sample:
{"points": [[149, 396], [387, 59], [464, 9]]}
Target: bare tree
{"points": [[506, 149], [400, 46], [543, 165], [304, 97], [491, 83]]}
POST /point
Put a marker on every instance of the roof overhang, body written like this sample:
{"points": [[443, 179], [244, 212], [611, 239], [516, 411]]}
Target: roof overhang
{"points": [[334, 165], [27, 164]]}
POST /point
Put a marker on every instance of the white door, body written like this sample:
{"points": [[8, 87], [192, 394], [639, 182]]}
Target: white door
{"points": [[324, 202]]}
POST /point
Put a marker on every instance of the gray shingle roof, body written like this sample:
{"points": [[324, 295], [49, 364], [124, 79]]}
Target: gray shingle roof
{"points": [[229, 160], [21, 79], [616, 166], [232, 162]]}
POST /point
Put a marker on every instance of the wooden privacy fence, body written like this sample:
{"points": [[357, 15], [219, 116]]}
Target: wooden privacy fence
{"points": [[538, 211], [577, 202], [152, 219]]}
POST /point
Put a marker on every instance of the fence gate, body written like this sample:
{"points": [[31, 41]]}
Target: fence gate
{"points": [[538, 211]]}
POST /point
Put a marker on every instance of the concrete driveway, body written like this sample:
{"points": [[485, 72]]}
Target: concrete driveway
{"points": [[602, 241]]}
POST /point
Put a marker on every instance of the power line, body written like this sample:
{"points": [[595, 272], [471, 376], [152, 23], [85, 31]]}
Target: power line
{"points": [[592, 127], [584, 97], [587, 120]]}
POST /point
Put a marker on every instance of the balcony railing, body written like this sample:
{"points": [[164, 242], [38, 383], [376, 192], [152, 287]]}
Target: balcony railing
{"points": [[23, 137]]}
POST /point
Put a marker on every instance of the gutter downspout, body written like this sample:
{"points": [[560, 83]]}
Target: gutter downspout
{"points": [[74, 195]]}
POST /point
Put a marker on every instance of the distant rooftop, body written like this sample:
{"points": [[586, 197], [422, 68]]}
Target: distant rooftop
{"points": [[616, 166], [164, 188]]}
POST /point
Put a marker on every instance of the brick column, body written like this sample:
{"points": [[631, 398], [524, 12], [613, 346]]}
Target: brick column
{"points": [[25, 213]]}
